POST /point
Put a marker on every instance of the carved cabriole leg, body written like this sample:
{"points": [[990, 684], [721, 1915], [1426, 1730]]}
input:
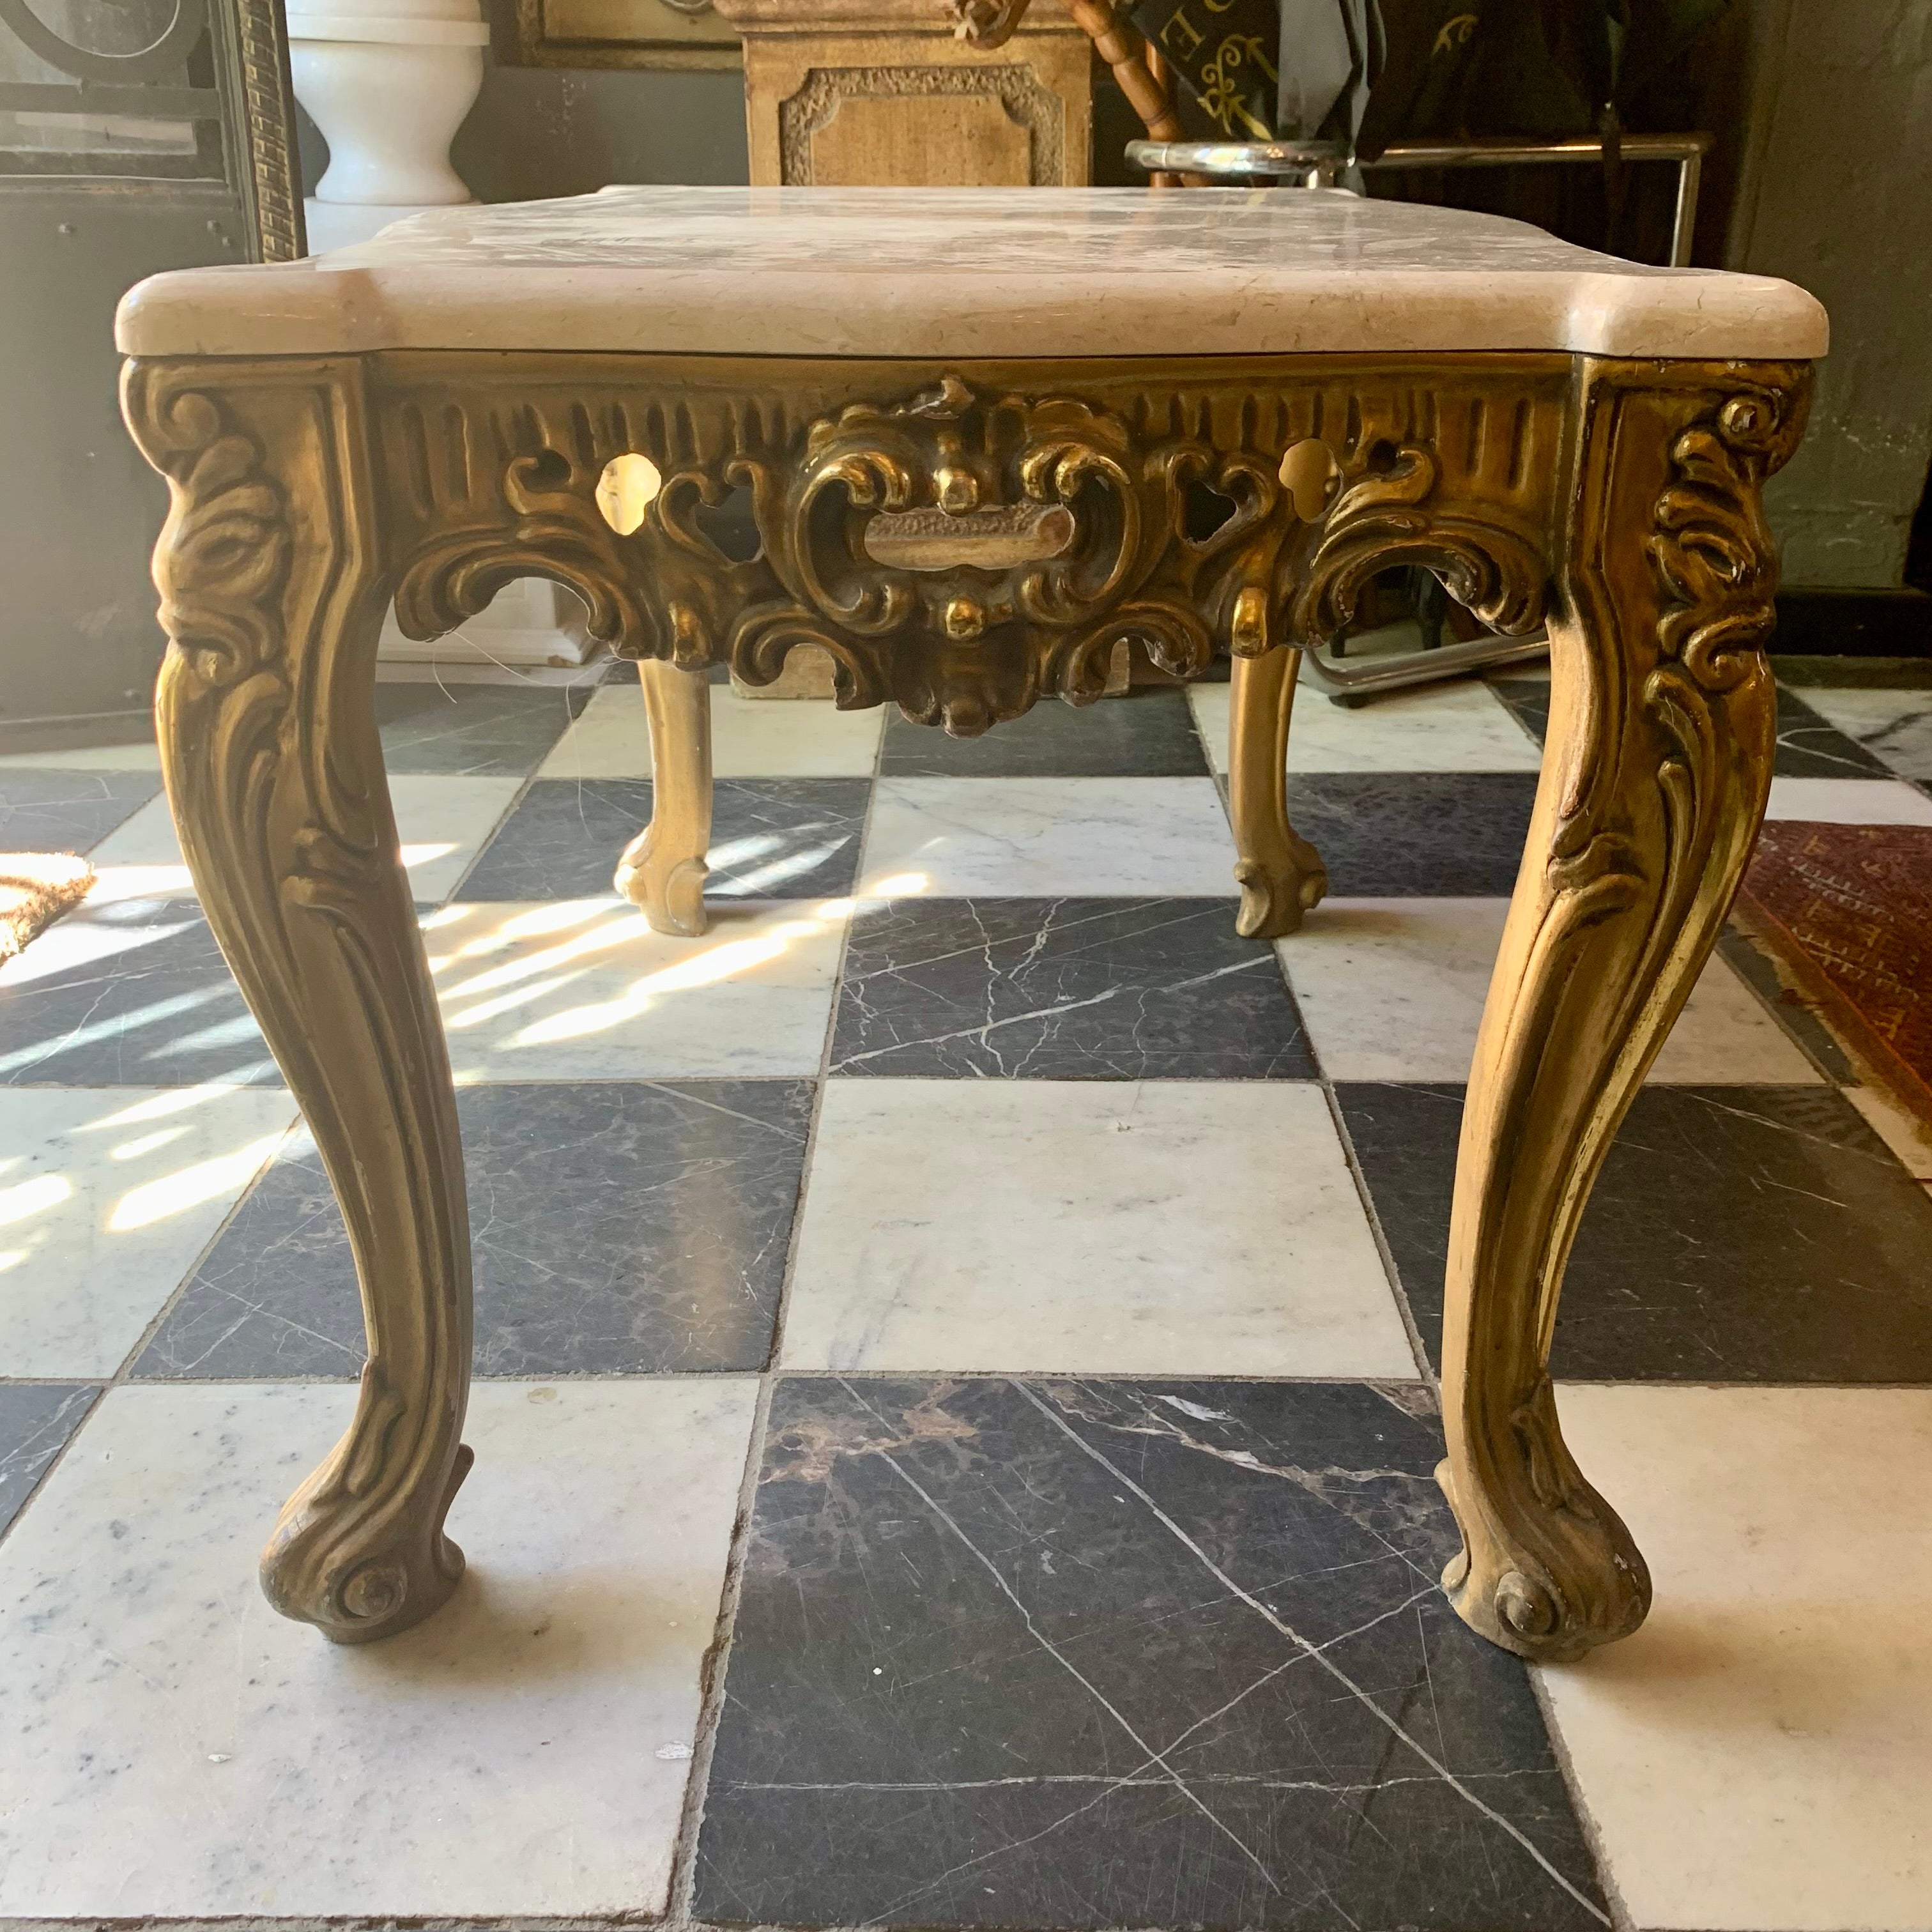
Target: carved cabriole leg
{"points": [[1281, 875], [1657, 764], [663, 868], [272, 588]]}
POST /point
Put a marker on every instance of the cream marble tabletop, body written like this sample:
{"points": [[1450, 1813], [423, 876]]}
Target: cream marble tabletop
{"points": [[966, 272]]}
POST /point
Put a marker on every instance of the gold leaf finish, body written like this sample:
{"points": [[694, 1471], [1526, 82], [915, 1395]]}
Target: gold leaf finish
{"points": [[1663, 725], [1280, 874], [965, 539], [842, 465], [663, 868], [272, 592]]}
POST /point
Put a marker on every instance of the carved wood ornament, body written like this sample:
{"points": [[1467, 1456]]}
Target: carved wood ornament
{"points": [[1435, 467], [1024, 98], [964, 540], [1655, 773], [272, 593]]}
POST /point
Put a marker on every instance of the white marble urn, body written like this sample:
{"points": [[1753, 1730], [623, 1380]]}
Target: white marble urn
{"points": [[388, 83]]}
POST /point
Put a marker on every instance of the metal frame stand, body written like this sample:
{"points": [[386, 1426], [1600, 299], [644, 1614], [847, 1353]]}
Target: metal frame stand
{"points": [[1320, 164]]}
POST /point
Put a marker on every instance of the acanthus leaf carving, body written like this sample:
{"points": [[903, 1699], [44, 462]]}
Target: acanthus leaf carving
{"points": [[1712, 548], [223, 555]]}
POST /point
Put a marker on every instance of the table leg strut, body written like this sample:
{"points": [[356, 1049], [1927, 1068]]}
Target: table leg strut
{"points": [[663, 868], [272, 594], [1281, 875], [1654, 778]]}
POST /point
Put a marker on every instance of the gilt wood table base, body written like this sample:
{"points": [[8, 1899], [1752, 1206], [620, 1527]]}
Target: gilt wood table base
{"points": [[965, 536]]}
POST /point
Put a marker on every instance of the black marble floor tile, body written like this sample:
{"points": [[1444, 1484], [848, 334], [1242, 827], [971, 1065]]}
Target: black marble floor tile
{"points": [[1090, 1654], [1529, 697], [1415, 835], [1064, 989], [618, 1229], [474, 729], [144, 1000], [36, 1420], [771, 838], [1737, 1234], [1808, 747], [1854, 673], [56, 811], [1147, 733]]}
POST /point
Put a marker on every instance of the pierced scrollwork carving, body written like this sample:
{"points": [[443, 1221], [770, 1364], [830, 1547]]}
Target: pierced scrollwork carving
{"points": [[510, 513], [965, 631], [963, 540], [1391, 510]]}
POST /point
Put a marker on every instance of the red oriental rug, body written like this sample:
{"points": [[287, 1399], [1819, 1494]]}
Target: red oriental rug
{"points": [[1847, 910]]}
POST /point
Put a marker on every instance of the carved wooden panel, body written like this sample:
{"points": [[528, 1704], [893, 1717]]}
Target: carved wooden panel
{"points": [[991, 125], [916, 108]]}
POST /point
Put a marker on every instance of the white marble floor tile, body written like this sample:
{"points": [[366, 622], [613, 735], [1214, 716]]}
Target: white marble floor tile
{"points": [[1018, 838], [174, 1748], [1759, 1754], [1461, 726], [750, 738], [441, 820], [583, 989], [1169, 1227], [143, 755], [1393, 989], [107, 1195], [1849, 801], [1895, 724]]}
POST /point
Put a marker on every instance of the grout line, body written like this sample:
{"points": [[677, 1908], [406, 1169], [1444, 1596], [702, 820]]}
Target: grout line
{"points": [[1780, 1013], [53, 1462], [683, 1883], [682, 1878], [1397, 1293], [684, 1853], [1599, 1853], [825, 1063], [123, 1376], [1404, 1312], [496, 824], [592, 680]]}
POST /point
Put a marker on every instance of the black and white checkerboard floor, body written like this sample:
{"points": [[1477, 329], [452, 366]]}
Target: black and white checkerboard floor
{"points": [[954, 1436]]}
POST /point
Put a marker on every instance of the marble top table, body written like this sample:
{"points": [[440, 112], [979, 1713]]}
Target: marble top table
{"points": [[967, 271], [973, 428]]}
